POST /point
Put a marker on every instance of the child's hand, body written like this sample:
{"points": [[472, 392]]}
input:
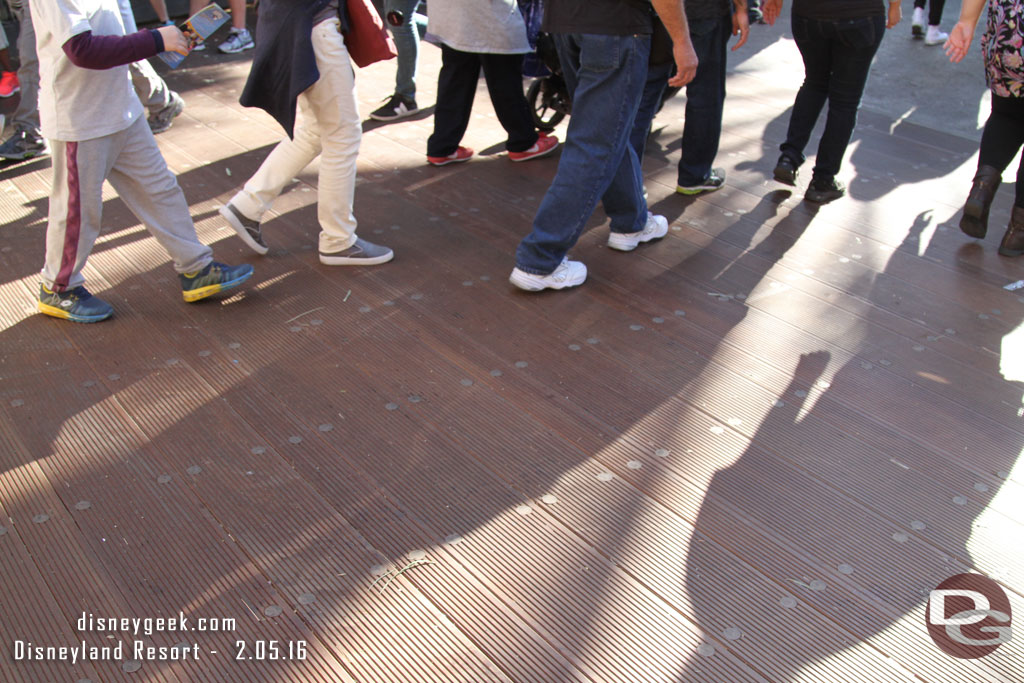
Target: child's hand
{"points": [[174, 39]]}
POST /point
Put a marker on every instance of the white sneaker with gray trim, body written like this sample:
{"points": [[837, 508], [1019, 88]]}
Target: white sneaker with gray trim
{"points": [[655, 228], [567, 274], [362, 253], [238, 40]]}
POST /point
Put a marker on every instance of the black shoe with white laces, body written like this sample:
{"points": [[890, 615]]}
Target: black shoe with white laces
{"points": [[398, 107]]}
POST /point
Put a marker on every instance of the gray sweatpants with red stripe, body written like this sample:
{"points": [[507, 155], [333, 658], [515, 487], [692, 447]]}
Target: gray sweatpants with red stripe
{"points": [[131, 161]]}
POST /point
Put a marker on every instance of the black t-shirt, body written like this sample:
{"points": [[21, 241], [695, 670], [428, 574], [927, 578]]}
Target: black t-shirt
{"points": [[603, 17], [838, 9], [697, 10]]}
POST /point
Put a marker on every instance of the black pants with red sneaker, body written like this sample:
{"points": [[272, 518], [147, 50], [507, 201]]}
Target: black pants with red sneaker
{"points": [[456, 87]]}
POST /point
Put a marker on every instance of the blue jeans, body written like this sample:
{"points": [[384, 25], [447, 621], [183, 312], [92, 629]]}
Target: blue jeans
{"points": [[407, 42], [654, 88], [705, 95], [837, 58], [605, 76]]}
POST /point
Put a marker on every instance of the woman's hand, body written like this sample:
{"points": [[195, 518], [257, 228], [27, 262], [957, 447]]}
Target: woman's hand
{"points": [[959, 41]]}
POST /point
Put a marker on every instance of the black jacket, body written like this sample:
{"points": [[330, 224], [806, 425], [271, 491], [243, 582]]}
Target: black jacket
{"points": [[283, 63]]}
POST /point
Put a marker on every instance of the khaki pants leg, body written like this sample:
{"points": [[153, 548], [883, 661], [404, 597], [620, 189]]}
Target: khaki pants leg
{"points": [[328, 125]]}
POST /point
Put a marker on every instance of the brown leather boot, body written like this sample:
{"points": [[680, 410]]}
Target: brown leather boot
{"points": [[1013, 240], [975, 219]]}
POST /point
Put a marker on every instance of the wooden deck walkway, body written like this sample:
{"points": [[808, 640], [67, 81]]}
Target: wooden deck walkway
{"points": [[745, 453]]}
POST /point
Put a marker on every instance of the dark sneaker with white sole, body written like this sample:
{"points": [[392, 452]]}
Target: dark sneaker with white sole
{"points": [[824, 190], [24, 144], [362, 253], [248, 229], [215, 277], [76, 305], [714, 181], [397, 107]]}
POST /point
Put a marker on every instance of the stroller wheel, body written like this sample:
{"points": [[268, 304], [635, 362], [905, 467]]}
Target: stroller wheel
{"points": [[549, 104]]}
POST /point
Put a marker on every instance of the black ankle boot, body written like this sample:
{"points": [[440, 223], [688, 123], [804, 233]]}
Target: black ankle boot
{"points": [[975, 219], [1013, 240]]}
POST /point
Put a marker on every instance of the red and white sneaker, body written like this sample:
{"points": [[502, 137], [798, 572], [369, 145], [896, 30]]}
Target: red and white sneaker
{"points": [[545, 145], [459, 155], [9, 84]]}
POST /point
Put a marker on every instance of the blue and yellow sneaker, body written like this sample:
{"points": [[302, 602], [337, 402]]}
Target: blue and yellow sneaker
{"points": [[76, 305], [213, 278]]}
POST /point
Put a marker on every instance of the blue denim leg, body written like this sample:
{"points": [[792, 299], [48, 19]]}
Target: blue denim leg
{"points": [[705, 96], [407, 42], [654, 88], [605, 75]]}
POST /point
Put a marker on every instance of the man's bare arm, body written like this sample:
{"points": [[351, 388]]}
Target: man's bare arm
{"points": [[673, 15]]}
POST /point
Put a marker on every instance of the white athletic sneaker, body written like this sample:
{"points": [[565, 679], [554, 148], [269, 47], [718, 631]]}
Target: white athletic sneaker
{"points": [[567, 274], [917, 23], [935, 36], [655, 228], [238, 40]]}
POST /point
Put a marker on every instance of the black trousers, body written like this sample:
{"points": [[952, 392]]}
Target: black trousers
{"points": [[837, 60], [456, 87], [1002, 137], [934, 10]]}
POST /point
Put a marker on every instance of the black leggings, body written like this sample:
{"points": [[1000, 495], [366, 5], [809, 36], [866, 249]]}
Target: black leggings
{"points": [[934, 10], [1003, 136]]}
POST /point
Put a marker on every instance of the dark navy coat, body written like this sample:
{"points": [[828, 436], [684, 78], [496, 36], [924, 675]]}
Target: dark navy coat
{"points": [[283, 63]]}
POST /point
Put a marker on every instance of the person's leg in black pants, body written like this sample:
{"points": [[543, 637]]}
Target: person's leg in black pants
{"points": [[456, 88], [705, 98], [504, 76], [1002, 137], [814, 40], [1000, 140], [852, 51]]}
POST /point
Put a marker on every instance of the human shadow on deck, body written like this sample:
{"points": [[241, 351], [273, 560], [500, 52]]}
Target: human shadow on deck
{"points": [[879, 515]]}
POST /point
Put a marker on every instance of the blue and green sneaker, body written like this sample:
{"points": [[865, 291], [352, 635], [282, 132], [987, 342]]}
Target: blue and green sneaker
{"points": [[76, 305], [213, 278]]}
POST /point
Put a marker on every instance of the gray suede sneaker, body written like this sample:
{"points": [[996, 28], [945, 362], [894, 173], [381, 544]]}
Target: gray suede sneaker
{"points": [[362, 253], [248, 229], [161, 120]]}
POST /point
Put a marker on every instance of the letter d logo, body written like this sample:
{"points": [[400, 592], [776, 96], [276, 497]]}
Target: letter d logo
{"points": [[968, 616]]}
